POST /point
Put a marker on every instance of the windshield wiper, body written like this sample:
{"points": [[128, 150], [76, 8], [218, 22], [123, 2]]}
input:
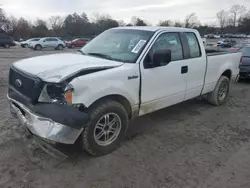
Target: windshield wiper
{"points": [[101, 55]]}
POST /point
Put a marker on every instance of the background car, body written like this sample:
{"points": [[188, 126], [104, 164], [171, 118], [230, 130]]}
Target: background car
{"points": [[245, 63], [48, 42], [25, 44], [6, 42], [238, 47], [225, 43], [80, 42]]}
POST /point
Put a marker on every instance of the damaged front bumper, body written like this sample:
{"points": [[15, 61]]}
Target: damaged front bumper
{"points": [[46, 127]]}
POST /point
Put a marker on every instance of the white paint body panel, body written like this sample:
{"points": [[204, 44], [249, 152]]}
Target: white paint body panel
{"points": [[53, 68], [196, 72], [217, 65], [91, 87], [162, 86]]}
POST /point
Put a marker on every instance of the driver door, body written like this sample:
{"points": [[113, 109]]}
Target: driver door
{"points": [[164, 85]]}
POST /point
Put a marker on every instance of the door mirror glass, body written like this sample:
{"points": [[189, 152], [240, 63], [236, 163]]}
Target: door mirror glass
{"points": [[157, 58], [161, 57]]}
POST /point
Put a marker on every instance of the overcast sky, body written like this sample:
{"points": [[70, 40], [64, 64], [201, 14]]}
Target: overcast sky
{"points": [[150, 10]]}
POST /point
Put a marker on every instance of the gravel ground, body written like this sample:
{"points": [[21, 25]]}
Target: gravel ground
{"points": [[189, 145]]}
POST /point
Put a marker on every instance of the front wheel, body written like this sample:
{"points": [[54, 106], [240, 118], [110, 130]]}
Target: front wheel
{"points": [[107, 129], [221, 91], [38, 47], [6, 46]]}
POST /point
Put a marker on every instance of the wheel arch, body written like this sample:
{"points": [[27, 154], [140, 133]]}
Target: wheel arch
{"points": [[118, 98], [227, 73]]}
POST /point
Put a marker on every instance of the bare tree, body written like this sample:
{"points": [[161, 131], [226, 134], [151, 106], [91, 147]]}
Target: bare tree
{"points": [[2, 17], [177, 24], [237, 10], [191, 20], [165, 23], [222, 18], [56, 23], [10, 25], [121, 23]]}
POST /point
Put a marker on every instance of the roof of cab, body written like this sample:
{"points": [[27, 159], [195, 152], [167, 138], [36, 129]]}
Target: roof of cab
{"points": [[156, 28]]}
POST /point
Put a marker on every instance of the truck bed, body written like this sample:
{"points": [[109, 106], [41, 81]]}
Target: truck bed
{"points": [[213, 52], [217, 64]]}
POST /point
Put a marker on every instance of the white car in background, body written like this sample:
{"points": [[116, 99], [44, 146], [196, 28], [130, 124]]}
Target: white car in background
{"points": [[48, 42], [25, 44]]}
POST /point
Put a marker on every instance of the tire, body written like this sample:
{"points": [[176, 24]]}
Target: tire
{"points": [[72, 46], [59, 47], [98, 113], [219, 95], [38, 47], [6, 46], [26, 46]]}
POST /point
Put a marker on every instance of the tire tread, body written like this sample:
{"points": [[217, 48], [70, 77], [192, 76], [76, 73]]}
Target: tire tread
{"points": [[213, 96], [93, 112]]}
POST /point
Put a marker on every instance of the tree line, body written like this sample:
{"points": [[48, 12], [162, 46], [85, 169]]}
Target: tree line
{"points": [[235, 20]]}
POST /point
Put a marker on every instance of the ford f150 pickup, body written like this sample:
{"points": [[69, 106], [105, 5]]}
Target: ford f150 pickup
{"points": [[121, 74]]}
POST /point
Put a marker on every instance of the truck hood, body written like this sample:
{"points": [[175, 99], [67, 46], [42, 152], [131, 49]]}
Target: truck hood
{"points": [[57, 67]]}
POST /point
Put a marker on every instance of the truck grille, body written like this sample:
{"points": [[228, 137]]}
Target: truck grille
{"points": [[27, 85]]}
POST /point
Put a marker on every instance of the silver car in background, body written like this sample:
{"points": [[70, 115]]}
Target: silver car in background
{"points": [[49, 43]]}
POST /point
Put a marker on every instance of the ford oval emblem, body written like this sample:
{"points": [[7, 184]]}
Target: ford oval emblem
{"points": [[18, 83]]}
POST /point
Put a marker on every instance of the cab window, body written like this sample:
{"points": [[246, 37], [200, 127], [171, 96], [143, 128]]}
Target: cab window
{"points": [[193, 44], [167, 41]]}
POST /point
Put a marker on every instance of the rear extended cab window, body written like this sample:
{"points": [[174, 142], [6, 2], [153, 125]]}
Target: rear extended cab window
{"points": [[193, 44]]}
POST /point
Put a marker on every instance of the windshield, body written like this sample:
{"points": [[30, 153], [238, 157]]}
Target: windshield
{"points": [[245, 51], [123, 45]]}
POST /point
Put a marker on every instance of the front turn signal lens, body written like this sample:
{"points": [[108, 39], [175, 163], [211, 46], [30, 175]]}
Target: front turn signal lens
{"points": [[68, 96]]}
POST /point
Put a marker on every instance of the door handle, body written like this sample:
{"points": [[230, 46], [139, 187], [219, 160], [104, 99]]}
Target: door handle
{"points": [[184, 69]]}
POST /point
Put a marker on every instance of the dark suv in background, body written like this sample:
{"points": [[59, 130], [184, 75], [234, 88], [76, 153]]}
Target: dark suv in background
{"points": [[6, 41]]}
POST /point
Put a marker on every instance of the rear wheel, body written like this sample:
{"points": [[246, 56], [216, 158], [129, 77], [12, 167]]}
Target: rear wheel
{"points": [[107, 129], [221, 91], [59, 47], [38, 47]]}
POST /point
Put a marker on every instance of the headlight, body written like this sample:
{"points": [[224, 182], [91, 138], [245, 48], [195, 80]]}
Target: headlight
{"points": [[68, 93], [53, 93]]}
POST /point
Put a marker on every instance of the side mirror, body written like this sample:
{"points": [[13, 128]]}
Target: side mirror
{"points": [[161, 57]]}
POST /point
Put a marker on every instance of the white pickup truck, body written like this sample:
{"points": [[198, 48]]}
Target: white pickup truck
{"points": [[121, 74]]}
